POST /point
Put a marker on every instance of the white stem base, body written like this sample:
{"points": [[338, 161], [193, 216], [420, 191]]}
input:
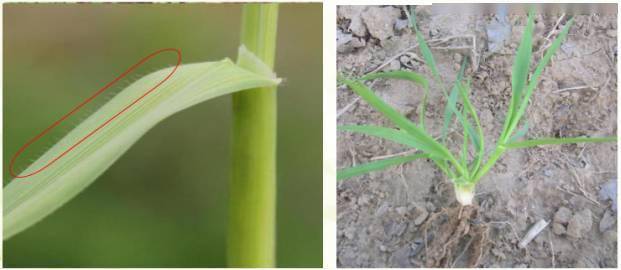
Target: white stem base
{"points": [[464, 195]]}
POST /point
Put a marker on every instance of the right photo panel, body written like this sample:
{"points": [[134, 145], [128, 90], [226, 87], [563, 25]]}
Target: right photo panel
{"points": [[477, 135]]}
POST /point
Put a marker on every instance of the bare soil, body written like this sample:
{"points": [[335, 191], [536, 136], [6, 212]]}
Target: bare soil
{"points": [[407, 216]]}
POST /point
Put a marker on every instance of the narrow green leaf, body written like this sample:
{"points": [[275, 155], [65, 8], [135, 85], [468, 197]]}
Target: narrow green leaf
{"points": [[394, 135], [376, 166], [398, 74], [549, 141], [521, 64], [464, 90], [367, 94], [463, 120], [534, 80], [28, 200], [428, 56], [424, 48], [400, 120], [410, 76], [464, 151], [519, 74], [452, 100], [430, 61]]}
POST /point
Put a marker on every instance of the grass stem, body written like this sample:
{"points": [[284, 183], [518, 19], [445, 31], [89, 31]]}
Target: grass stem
{"points": [[252, 206]]}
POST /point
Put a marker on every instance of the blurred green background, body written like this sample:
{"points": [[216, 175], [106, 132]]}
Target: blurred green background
{"points": [[164, 202]]}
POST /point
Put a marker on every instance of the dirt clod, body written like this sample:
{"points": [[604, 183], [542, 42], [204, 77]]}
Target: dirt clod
{"points": [[580, 223], [394, 65], [380, 21], [608, 191], [611, 33], [401, 257], [607, 221], [421, 216], [562, 216], [352, 13], [558, 229]]}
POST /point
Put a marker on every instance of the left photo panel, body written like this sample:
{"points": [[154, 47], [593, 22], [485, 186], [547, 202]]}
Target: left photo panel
{"points": [[162, 135]]}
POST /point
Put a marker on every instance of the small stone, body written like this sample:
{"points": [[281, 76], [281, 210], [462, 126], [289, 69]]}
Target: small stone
{"points": [[417, 246], [380, 21], [580, 224], [394, 228], [349, 232], [606, 222], [558, 229], [458, 57], [401, 257], [401, 210], [421, 216], [608, 191], [382, 209], [358, 42], [611, 33], [498, 253], [562, 215], [364, 199], [401, 24], [342, 40], [498, 32], [357, 28], [352, 13], [430, 207], [611, 235], [394, 65], [507, 72], [540, 240], [404, 59]]}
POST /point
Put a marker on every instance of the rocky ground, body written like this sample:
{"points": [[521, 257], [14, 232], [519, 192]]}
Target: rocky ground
{"points": [[406, 216]]}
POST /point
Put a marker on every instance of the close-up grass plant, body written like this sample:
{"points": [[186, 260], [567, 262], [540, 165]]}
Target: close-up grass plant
{"points": [[473, 160], [249, 226]]}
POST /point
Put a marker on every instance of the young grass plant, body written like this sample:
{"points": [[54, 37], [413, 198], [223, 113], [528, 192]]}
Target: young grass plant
{"points": [[466, 168]]}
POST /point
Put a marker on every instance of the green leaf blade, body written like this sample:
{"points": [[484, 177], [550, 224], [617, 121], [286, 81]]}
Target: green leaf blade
{"points": [[400, 120], [425, 50], [534, 80], [519, 76], [477, 136], [452, 101], [28, 200], [394, 136], [556, 141], [521, 64], [409, 76], [376, 166], [398, 74]]}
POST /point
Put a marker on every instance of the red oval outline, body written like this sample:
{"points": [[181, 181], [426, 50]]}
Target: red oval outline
{"points": [[89, 99]]}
